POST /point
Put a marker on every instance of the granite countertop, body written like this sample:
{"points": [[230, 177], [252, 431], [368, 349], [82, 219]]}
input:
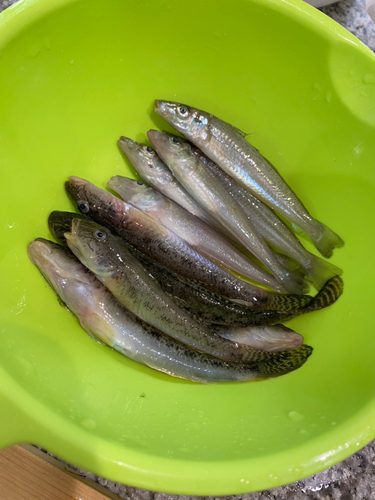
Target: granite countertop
{"points": [[354, 478]]}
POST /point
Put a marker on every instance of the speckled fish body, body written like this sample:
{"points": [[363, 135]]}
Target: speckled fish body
{"points": [[271, 228], [213, 197], [227, 146], [195, 232], [104, 318], [107, 257], [164, 247]]}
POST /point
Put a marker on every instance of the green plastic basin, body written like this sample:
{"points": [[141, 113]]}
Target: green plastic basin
{"points": [[74, 76]]}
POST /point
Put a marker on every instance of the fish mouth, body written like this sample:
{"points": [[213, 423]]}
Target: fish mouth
{"points": [[165, 108], [39, 251], [126, 144], [72, 238], [154, 135]]}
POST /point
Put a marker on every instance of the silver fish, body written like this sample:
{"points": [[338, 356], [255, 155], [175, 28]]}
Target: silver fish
{"points": [[210, 193], [168, 250], [274, 230], [195, 232], [104, 318], [153, 171], [227, 146]]}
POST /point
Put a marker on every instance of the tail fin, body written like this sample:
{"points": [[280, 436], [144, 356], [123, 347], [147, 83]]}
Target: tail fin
{"points": [[290, 264], [291, 360], [320, 271], [327, 295], [326, 240], [293, 283]]}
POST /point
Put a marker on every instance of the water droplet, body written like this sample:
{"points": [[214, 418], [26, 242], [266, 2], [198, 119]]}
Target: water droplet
{"points": [[357, 443], [89, 423], [328, 96], [72, 61], [295, 416], [368, 78]]}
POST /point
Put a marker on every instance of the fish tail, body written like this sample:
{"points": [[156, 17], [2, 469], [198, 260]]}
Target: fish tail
{"points": [[325, 239], [292, 282], [320, 271], [328, 295], [287, 302], [285, 362], [290, 264]]}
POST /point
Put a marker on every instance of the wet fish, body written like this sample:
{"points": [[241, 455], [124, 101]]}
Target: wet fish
{"points": [[153, 171], [195, 232], [104, 318], [164, 247], [227, 146], [213, 197], [271, 228], [107, 257], [214, 309]]}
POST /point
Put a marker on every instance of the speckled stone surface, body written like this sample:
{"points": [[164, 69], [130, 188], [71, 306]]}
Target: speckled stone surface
{"points": [[352, 479]]}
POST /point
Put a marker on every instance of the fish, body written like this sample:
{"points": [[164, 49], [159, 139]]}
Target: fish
{"points": [[153, 171], [213, 197], [105, 319], [227, 146], [272, 229], [274, 338], [214, 309], [109, 260], [165, 248], [195, 232]]}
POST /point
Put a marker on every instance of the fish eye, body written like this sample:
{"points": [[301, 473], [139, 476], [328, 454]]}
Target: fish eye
{"points": [[99, 235], [149, 150], [175, 140], [140, 183], [183, 110], [83, 206]]}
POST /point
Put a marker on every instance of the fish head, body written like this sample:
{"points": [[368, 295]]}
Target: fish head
{"points": [[172, 149], [59, 266], [98, 204], [93, 245], [129, 189], [61, 222], [75, 285], [190, 122], [145, 160]]}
